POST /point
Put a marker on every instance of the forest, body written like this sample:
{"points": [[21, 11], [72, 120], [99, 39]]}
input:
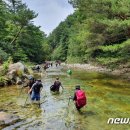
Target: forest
{"points": [[75, 78], [97, 32], [20, 39]]}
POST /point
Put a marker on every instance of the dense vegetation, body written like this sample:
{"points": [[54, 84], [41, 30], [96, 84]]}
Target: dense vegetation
{"points": [[19, 37], [98, 31]]}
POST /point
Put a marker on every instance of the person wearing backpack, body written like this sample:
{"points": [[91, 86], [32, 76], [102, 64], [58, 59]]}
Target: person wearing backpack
{"points": [[56, 86], [79, 98], [36, 89]]}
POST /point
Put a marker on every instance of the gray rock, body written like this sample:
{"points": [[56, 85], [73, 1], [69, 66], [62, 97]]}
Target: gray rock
{"points": [[8, 119], [16, 72]]}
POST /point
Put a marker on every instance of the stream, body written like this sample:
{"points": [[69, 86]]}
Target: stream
{"points": [[107, 97]]}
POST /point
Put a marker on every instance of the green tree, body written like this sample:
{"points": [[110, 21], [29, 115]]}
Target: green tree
{"points": [[19, 38]]}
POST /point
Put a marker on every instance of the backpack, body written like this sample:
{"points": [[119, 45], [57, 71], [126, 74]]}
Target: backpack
{"points": [[52, 88], [37, 87], [57, 84], [81, 98]]}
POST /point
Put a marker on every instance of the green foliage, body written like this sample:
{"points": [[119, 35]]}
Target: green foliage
{"points": [[6, 65], [3, 80], [74, 59], [3, 55], [19, 54], [58, 53], [98, 31], [18, 36], [33, 47], [108, 60], [65, 39]]}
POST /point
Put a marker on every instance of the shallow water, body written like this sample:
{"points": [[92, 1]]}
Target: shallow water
{"points": [[108, 96]]}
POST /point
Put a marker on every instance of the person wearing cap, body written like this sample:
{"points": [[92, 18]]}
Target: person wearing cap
{"points": [[36, 89], [30, 83]]}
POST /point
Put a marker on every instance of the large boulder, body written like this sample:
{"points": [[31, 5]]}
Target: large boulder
{"points": [[17, 71], [17, 66]]}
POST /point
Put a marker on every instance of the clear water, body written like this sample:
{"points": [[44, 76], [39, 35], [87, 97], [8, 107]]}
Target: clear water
{"points": [[108, 96]]}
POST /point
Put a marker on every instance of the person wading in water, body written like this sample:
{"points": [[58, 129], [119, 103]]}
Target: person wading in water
{"points": [[30, 83], [79, 98], [56, 86], [36, 89]]}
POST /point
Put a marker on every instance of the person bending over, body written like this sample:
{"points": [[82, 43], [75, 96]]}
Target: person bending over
{"points": [[36, 89]]}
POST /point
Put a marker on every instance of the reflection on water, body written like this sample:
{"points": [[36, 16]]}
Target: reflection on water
{"points": [[108, 96]]}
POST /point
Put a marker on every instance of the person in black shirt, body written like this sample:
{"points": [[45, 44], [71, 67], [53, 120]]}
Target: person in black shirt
{"points": [[36, 89], [56, 86]]}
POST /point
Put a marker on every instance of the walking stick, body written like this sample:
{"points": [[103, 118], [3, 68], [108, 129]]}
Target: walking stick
{"points": [[69, 101], [26, 99]]}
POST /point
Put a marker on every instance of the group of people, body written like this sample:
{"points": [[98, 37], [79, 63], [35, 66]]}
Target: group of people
{"points": [[58, 62], [46, 65], [35, 87]]}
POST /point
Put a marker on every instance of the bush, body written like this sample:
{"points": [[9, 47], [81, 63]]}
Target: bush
{"points": [[3, 55], [71, 59], [6, 65], [3, 81]]}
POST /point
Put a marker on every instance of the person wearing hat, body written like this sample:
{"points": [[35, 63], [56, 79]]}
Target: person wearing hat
{"points": [[30, 82], [36, 89]]}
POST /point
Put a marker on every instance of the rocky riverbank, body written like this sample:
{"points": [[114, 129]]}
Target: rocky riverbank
{"points": [[122, 71]]}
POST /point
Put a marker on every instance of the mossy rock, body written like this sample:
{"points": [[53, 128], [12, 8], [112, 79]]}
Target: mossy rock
{"points": [[3, 81]]}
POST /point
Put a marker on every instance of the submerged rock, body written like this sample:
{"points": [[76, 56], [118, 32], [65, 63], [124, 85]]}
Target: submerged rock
{"points": [[7, 119]]}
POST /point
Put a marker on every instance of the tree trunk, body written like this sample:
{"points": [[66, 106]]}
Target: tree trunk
{"points": [[14, 39]]}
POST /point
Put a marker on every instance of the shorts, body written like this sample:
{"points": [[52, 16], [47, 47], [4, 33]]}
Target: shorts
{"points": [[35, 96]]}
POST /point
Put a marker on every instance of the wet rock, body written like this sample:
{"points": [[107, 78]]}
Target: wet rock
{"points": [[14, 112], [8, 119], [2, 123], [2, 84], [3, 110], [10, 103]]}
